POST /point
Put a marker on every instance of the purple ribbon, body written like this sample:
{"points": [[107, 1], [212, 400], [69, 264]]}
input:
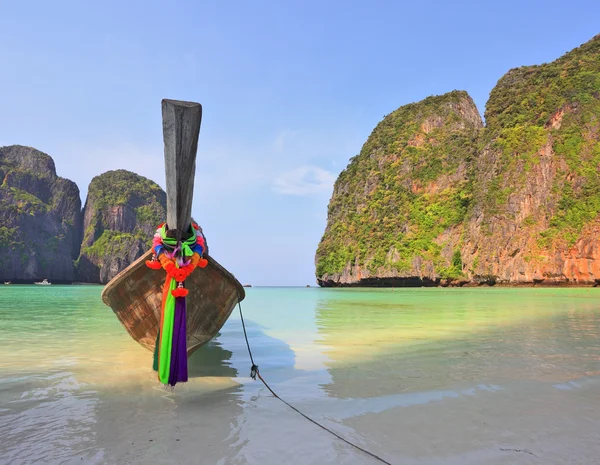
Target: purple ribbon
{"points": [[179, 367]]}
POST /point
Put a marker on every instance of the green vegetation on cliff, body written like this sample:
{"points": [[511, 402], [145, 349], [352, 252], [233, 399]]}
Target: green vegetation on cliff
{"points": [[121, 187], [121, 213], [434, 194], [122, 200], [40, 217], [555, 104], [43, 234], [408, 185], [115, 243], [532, 94], [10, 238]]}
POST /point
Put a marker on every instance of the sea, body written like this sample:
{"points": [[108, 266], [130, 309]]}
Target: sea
{"points": [[414, 376]]}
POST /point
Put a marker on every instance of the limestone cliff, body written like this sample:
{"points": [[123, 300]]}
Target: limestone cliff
{"points": [[121, 213], [536, 210], [45, 234], [434, 198], [397, 211], [40, 218]]}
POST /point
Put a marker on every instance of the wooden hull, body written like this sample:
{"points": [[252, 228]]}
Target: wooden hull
{"points": [[135, 296]]}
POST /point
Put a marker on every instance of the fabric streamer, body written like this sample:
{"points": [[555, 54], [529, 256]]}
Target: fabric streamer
{"points": [[178, 259], [179, 368], [165, 347]]}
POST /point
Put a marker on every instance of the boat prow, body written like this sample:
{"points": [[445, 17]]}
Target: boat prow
{"points": [[135, 295]]}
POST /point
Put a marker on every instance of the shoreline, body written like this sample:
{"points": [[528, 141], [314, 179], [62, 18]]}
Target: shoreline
{"points": [[469, 285], [418, 282]]}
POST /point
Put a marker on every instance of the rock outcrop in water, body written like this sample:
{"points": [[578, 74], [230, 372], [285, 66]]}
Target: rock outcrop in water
{"points": [[45, 234], [40, 227], [120, 216], [435, 198]]}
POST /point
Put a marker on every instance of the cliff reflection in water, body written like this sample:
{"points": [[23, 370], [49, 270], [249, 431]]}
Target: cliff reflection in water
{"points": [[386, 342]]}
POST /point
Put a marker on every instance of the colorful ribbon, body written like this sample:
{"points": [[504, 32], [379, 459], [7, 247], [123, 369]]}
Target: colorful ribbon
{"points": [[170, 354]]}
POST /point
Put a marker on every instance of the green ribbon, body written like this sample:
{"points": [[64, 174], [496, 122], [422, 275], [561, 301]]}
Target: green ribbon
{"points": [[164, 367], [170, 242]]}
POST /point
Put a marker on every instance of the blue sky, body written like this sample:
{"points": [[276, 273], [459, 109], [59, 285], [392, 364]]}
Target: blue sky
{"points": [[290, 91]]}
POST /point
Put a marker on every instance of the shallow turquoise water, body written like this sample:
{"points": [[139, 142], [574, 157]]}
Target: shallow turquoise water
{"points": [[415, 375]]}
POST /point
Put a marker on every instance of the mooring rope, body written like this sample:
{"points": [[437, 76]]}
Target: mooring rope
{"points": [[254, 373]]}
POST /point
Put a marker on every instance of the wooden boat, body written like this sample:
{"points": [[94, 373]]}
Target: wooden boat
{"points": [[135, 294]]}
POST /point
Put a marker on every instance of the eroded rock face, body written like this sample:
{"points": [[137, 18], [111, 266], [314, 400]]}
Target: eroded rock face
{"points": [[397, 211], [537, 197], [40, 228], [121, 214], [45, 234], [435, 198]]}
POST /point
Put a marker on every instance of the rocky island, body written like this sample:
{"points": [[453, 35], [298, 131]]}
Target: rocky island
{"points": [[40, 231], [437, 198], [120, 217], [45, 233]]}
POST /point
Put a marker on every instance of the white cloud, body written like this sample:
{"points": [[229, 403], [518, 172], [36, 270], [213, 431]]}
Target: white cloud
{"points": [[225, 168], [304, 180], [283, 139]]}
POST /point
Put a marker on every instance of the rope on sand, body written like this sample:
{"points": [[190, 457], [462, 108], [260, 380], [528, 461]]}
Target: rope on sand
{"points": [[254, 373]]}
